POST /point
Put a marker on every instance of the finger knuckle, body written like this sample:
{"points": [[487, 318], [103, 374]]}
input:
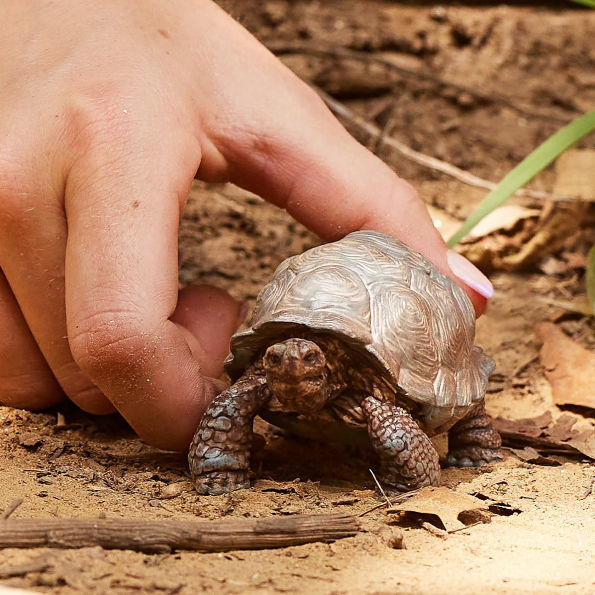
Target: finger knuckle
{"points": [[99, 118], [112, 344], [15, 184], [29, 390], [23, 194]]}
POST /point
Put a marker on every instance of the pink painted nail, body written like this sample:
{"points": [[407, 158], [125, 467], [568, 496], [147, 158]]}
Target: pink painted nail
{"points": [[469, 274]]}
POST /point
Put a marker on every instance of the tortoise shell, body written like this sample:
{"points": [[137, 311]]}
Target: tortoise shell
{"points": [[384, 299]]}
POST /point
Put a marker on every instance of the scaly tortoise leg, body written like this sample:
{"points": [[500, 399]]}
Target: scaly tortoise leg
{"points": [[474, 441], [219, 455], [407, 456]]}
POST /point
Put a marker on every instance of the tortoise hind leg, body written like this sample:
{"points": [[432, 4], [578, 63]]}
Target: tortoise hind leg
{"points": [[219, 455], [474, 441], [407, 456]]}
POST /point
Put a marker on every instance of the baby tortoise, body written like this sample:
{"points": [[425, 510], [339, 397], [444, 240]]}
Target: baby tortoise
{"points": [[366, 334]]}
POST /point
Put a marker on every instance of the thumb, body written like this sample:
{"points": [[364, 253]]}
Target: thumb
{"points": [[212, 316]]}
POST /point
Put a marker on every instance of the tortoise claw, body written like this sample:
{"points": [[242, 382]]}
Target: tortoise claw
{"points": [[215, 483], [484, 457]]}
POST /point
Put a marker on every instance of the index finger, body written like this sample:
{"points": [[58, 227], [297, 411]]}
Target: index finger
{"points": [[286, 146], [334, 186]]}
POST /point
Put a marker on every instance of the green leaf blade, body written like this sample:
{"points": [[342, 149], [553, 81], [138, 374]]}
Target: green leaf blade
{"points": [[589, 3], [535, 162]]}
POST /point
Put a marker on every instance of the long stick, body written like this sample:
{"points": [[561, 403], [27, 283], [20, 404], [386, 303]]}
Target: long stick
{"points": [[165, 536], [342, 111]]}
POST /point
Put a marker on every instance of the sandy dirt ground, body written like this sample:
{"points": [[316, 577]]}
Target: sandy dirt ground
{"points": [[498, 80]]}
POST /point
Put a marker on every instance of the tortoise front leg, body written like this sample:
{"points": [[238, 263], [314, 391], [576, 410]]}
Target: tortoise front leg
{"points": [[474, 441], [407, 456], [219, 455]]}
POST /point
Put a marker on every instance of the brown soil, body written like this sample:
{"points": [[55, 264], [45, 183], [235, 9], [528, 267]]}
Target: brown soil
{"points": [[519, 58]]}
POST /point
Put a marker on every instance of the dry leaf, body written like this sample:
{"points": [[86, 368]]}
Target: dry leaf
{"points": [[529, 241], [531, 426], [503, 218], [584, 442], [530, 455], [569, 367], [523, 239], [562, 429], [443, 508], [503, 509], [559, 439], [29, 440]]}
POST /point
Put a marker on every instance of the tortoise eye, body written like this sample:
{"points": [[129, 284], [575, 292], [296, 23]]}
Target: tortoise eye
{"points": [[310, 357], [273, 358]]}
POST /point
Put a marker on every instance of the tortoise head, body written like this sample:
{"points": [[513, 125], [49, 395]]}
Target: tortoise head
{"points": [[296, 374]]}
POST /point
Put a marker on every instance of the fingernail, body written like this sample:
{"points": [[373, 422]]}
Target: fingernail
{"points": [[469, 274]]}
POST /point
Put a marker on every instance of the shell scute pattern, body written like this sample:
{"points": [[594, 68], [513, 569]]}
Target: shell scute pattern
{"points": [[313, 296], [445, 387], [392, 301], [400, 319], [465, 379]]}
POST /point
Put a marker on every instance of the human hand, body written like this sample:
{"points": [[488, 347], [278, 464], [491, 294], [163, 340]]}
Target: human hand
{"points": [[107, 112]]}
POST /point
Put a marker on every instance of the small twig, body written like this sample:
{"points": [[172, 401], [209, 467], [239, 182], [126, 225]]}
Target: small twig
{"points": [[385, 131], [13, 506], [381, 505], [404, 496], [396, 500], [588, 491], [465, 527], [342, 111], [380, 487], [167, 535], [285, 47], [434, 530]]}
